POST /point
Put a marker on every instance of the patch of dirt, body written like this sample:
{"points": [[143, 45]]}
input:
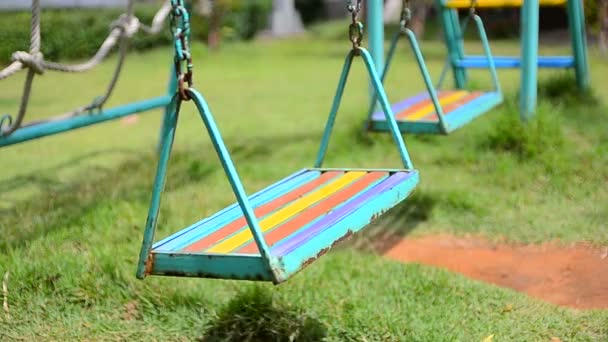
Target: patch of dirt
{"points": [[574, 276]]}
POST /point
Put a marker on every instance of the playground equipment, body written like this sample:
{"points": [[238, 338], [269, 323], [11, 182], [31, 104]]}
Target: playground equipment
{"points": [[281, 229], [529, 61], [14, 130], [437, 111]]}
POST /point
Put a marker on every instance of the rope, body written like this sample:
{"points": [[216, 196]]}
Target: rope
{"points": [[125, 27]]}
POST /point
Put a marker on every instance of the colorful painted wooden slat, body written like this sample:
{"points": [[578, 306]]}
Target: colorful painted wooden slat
{"points": [[402, 105], [265, 209], [207, 225], [447, 110], [473, 108], [299, 239], [414, 114], [287, 212], [497, 3], [315, 212], [421, 104]]}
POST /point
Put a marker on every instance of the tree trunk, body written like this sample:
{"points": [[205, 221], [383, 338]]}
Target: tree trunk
{"points": [[215, 24], [603, 23], [420, 12]]}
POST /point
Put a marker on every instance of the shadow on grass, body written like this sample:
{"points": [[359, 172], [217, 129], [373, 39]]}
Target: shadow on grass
{"points": [[38, 179], [257, 315], [394, 225], [63, 204]]}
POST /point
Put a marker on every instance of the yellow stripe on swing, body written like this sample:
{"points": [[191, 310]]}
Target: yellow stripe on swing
{"points": [[430, 108], [498, 3], [287, 212]]}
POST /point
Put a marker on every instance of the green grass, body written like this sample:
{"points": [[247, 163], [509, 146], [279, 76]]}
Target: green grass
{"points": [[73, 206]]}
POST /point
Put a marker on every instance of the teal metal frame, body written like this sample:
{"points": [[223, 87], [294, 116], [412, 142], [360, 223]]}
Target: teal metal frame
{"points": [[529, 58], [40, 129], [445, 124], [266, 266]]}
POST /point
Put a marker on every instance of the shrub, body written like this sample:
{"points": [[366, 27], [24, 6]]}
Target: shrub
{"points": [[78, 33], [71, 33]]}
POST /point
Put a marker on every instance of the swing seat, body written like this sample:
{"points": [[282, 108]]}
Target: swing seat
{"points": [[301, 218], [497, 3], [502, 62], [418, 115]]}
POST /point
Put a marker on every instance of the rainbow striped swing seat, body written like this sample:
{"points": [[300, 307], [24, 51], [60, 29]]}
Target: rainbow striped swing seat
{"points": [[276, 232], [438, 111]]}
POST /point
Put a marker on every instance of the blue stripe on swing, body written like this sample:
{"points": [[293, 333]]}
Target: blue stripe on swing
{"points": [[210, 224], [469, 111]]}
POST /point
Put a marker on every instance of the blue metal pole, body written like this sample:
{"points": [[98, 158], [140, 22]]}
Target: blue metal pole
{"points": [[529, 59], [375, 27]]}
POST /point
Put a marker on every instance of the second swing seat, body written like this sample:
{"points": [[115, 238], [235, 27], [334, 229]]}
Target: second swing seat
{"points": [[417, 114]]}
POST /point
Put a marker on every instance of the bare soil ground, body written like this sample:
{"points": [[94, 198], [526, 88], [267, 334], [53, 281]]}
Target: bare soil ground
{"points": [[574, 276]]}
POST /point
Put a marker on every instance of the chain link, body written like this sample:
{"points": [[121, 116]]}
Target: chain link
{"points": [[406, 15], [355, 30], [473, 7], [180, 27]]}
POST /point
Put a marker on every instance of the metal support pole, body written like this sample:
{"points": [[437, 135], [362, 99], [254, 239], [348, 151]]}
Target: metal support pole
{"points": [[529, 59], [454, 41], [375, 27], [576, 21], [171, 90]]}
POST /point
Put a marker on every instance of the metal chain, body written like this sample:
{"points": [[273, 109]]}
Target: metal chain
{"points": [[472, 8], [355, 30], [180, 27], [406, 15]]}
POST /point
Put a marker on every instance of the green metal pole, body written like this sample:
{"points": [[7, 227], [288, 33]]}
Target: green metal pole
{"points": [[453, 40], [375, 27], [576, 20], [529, 59]]}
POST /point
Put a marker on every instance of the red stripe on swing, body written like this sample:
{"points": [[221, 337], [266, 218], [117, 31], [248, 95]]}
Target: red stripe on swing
{"points": [[265, 209], [319, 209]]}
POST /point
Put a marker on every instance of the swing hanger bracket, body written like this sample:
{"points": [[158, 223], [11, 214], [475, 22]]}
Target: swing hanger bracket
{"points": [[406, 16], [180, 28], [355, 29]]}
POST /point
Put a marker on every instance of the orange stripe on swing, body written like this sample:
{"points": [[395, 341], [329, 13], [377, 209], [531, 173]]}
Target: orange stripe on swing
{"points": [[409, 110], [453, 106], [262, 210], [288, 228]]}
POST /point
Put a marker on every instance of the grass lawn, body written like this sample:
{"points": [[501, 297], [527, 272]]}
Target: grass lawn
{"points": [[73, 206]]}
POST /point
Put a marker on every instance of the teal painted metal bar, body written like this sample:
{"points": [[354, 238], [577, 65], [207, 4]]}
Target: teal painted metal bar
{"points": [[335, 106], [375, 24], [233, 177], [171, 90], [387, 66], [578, 37], [386, 108], [529, 57], [423, 70], [167, 138], [453, 38], [384, 104], [51, 127], [488, 53], [427, 80]]}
